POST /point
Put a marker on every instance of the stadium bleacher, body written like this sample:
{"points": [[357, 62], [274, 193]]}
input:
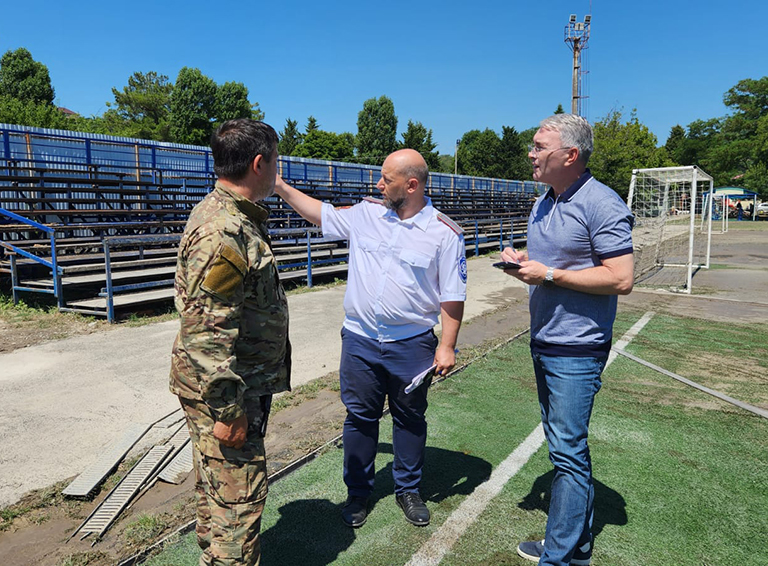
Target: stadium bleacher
{"points": [[95, 220]]}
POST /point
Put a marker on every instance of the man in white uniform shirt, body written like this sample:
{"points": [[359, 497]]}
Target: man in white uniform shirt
{"points": [[406, 268]]}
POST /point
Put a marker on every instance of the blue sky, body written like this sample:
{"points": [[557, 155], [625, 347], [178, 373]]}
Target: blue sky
{"points": [[454, 66]]}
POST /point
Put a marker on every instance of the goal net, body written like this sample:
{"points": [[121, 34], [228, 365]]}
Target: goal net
{"points": [[671, 242]]}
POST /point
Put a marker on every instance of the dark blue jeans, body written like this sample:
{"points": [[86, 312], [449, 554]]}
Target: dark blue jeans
{"points": [[370, 371], [567, 387]]}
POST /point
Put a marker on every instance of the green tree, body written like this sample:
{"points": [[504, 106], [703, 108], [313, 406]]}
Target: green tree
{"points": [[376, 130], [30, 113], [485, 154], [144, 105], [446, 163], [23, 78], [319, 144], [312, 125], [526, 137], [700, 138], [513, 155], [743, 155], [479, 153], [417, 137], [749, 98], [559, 109], [290, 138], [620, 147], [676, 144], [193, 107], [232, 103]]}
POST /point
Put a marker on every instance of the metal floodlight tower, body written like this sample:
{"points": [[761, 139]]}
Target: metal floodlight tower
{"points": [[577, 38]]}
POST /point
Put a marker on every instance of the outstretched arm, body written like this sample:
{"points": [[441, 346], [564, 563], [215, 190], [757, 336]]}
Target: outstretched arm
{"points": [[308, 207]]}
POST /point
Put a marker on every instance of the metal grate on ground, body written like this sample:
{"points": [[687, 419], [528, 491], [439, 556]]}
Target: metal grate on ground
{"points": [[179, 467], [105, 514], [84, 484]]}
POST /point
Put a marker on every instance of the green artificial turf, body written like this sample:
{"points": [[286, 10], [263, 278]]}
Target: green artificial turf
{"points": [[680, 477]]}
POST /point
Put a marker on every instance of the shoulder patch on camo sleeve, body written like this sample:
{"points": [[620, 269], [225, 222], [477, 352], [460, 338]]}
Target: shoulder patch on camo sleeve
{"points": [[226, 274], [374, 200], [450, 223]]}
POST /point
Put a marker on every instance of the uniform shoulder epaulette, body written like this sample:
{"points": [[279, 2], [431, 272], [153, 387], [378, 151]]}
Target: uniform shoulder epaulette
{"points": [[450, 223], [374, 200]]}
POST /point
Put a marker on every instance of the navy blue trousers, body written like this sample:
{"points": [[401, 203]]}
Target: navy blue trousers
{"points": [[370, 371]]}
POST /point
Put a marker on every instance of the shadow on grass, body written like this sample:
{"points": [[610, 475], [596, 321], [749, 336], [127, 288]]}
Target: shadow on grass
{"points": [[610, 507], [310, 532], [446, 473]]}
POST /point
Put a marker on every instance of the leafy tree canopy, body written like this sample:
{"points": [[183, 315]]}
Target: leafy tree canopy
{"points": [[312, 125], [25, 79], [144, 106], [485, 154], [319, 144], [446, 163], [290, 138], [38, 114], [620, 147], [514, 156], [232, 103], [193, 107], [675, 143], [147, 96], [376, 130], [417, 137]]}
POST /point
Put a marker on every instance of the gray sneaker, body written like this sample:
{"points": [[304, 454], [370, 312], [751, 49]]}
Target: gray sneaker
{"points": [[533, 549]]}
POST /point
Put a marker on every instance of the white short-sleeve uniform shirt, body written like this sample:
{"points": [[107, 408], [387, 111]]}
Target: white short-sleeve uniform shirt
{"points": [[399, 270]]}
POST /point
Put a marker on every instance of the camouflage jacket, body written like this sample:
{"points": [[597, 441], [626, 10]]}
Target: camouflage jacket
{"points": [[233, 343]]}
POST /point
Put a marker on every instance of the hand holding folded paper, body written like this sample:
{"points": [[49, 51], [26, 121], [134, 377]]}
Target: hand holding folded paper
{"points": [[419, 379]]}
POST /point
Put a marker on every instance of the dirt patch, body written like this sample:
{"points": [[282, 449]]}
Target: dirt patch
{"points": [[22, 329]]}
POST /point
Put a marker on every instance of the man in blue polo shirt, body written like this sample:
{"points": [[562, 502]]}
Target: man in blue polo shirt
{"points": [[579, 260], [406, 267]]}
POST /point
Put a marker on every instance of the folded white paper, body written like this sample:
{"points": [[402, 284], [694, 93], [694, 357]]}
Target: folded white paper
{"points": [[419, 379]]}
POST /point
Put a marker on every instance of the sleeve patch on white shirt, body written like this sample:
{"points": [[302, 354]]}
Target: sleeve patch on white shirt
{"points": [[463, 269], [450, 223]]}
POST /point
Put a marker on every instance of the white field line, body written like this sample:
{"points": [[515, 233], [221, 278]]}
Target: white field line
{"points": [[442, 540], [629, 335]]}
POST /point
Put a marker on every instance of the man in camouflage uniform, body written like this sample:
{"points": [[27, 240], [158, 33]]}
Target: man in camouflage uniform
{"points": [[232, 352]]}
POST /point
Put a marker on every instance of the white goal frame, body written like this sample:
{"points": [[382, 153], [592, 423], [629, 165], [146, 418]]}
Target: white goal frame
{"points": [[666, 203]]}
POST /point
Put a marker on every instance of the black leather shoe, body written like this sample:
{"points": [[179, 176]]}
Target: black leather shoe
{"points": [[355, 511], [415, 511]]}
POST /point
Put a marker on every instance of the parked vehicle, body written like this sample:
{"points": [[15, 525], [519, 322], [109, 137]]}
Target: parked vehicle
{"points": [[762, 211]]}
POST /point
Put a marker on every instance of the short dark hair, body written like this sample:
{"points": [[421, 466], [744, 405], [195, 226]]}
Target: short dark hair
{"points": [[418, 171], [236, 143]]}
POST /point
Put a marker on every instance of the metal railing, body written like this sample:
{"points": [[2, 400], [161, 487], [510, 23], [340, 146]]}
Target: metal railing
{"points": [[56, 271]]}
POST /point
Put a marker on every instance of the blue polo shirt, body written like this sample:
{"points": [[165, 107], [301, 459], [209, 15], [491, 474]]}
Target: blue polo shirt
{"points": [[586, 224]]}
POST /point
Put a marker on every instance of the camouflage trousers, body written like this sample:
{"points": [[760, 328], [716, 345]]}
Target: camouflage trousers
{"points": [[230, 488]]}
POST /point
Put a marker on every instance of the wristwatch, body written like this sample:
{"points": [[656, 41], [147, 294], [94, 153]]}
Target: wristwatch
{"points": [[549, 278]]}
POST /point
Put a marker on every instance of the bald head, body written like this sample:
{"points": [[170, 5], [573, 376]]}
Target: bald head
{"points": [[410, 164]]}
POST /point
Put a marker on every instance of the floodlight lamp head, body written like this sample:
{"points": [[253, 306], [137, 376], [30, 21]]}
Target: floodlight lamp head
{"points": [[587, 20], [572, 19]]}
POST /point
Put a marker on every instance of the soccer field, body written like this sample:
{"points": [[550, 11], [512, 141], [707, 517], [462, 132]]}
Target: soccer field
{"points": [[680, 476]]}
